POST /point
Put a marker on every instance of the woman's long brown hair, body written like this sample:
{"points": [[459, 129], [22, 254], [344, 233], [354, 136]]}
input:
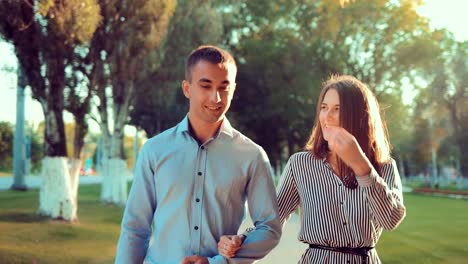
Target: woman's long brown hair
{"points": [[360, 116]]}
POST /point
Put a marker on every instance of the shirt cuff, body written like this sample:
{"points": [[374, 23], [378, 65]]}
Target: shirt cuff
{"points": [[218, 259], [367, 180]]}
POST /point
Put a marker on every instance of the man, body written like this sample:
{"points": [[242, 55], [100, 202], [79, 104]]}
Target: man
{"points": [[192, 180]]}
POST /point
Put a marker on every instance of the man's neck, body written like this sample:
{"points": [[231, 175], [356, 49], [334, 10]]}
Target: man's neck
{"points": [[203, 131]]}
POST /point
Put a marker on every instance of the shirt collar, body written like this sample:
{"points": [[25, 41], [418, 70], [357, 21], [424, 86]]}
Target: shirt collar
{"points": [[184, 125], [324, 159], [225, 128]]}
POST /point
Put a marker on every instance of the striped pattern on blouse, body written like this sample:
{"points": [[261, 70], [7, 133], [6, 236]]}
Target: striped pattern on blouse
{"points": [[336, 216]]}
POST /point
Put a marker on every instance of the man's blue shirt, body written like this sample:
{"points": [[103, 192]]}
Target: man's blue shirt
{"points": [[193, 194]]}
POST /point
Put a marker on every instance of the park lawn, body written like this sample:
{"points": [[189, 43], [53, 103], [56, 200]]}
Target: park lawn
{"points": [[28, 238], [435, 231]]}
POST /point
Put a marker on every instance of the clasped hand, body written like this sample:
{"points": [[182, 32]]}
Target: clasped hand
{"points": [[229, 245]]}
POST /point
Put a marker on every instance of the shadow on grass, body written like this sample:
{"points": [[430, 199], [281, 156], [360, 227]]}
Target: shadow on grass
{"points": [[22, 217]]}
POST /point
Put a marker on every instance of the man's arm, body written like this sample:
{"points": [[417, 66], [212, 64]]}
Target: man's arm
{"points": [[263, 209], [138, 215]]}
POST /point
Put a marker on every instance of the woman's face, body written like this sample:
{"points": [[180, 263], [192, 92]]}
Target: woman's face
{"points": [[329, 111]]}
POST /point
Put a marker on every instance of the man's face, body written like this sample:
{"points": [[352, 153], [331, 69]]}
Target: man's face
{"points": [[209, 91]]}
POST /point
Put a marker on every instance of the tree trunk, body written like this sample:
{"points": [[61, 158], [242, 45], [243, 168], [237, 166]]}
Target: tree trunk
{"points": [[460, 136], [75, 178], [105, 186], [55, 198], [81, 128], [114, 188], [19, 154], [54, 138]]}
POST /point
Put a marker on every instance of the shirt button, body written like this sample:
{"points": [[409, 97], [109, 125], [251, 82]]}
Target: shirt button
{"points": [[344, 223], [197, 200], [199, 173], [202, 147], [196, 227], [341, 203]]}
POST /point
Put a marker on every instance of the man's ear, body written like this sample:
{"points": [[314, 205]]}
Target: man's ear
{"points": [[186, 88]]}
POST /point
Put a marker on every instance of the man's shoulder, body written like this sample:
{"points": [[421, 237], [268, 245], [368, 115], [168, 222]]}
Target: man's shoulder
{"points": [[246, 148], [242, 140], [168, 135]]}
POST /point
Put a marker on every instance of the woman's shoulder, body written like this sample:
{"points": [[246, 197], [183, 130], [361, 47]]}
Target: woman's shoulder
{"points": [[304, 157], [388, 165]]}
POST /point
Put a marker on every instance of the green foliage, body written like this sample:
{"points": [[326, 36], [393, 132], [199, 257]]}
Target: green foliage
{"points": [[448, 89], [37, 151], [45, 40], [419, 148], [286, 49], [147, 24], [399, 123], [273, 102], [76, 20], [136, 28], [160, 104], [6, 146]]}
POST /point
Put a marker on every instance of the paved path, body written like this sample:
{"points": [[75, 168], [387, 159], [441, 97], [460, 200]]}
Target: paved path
{"points": [[288, 251], [34, 182]]}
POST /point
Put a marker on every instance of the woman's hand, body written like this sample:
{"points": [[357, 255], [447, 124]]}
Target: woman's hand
{"points": [[229, 245], [346, 147]]}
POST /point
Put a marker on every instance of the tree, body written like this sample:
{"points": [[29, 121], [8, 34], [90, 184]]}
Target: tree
{"points": [[43, 42], [429, 130], [274, 104], [116, 57], [36, 148], [6, 146], [286, 49], [448, 87], [160, 103]]}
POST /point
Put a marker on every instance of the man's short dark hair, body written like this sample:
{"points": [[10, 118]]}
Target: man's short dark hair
{"points": [[210, 54]]}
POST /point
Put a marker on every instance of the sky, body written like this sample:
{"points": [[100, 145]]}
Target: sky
{"points": [[450, 14]]}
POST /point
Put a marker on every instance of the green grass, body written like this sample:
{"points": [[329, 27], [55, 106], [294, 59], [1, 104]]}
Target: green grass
{"points": [[26, 237], [5, 173], [435, 231]]}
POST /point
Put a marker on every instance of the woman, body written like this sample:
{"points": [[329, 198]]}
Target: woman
{"points": [[345, 183]]}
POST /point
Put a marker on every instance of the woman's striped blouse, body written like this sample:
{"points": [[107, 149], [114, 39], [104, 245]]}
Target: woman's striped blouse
{"points": [[336, 216]]}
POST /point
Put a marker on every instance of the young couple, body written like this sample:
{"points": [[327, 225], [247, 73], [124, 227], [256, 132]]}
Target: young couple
{"points": [[191, 183]]}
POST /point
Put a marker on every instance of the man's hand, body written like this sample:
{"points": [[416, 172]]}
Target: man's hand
{"points": [[229, 245], [346, 147], [194, 260]]}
